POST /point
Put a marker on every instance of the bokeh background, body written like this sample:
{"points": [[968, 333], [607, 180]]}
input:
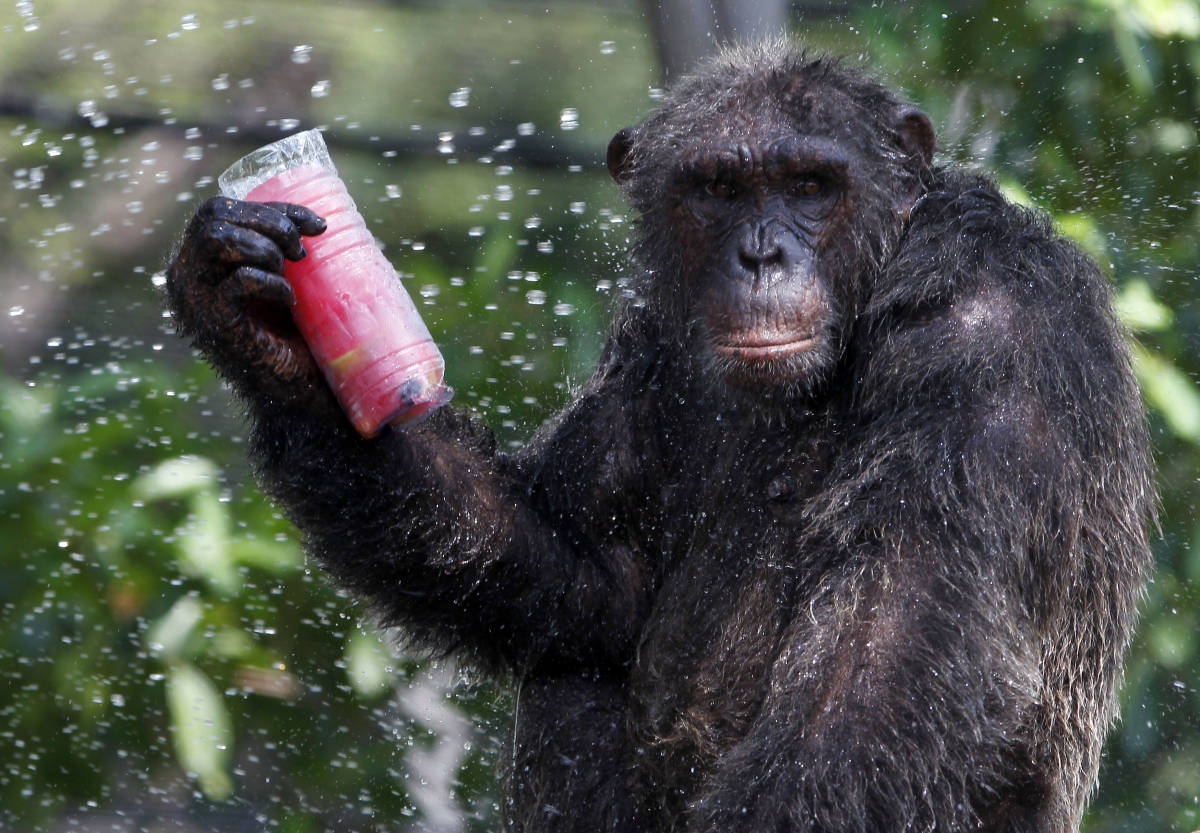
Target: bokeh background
{"points": [[168, 658]]}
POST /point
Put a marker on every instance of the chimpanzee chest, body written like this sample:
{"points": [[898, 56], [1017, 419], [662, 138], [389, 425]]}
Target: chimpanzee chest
{"points": [[725, 598]]}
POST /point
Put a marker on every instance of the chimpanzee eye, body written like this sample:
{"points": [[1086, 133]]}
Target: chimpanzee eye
{"points": [[720, 189], [809, 187]]}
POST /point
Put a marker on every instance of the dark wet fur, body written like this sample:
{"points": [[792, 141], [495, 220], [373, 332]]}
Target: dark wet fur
{"points": [[896, 598]]}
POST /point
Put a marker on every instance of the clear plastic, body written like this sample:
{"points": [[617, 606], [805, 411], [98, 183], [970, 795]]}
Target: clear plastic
{"points": [[361, 325]]}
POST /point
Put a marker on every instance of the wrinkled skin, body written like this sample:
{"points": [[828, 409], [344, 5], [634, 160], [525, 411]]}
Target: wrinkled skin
{"points": [[845, 533]]}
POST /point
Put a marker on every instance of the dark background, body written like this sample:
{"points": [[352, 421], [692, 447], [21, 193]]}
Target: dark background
{"points": [[168, 660]]}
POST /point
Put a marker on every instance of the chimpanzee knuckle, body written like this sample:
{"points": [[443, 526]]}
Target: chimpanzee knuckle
{"points": [[235, 246], [253, 283], [215, 207]]}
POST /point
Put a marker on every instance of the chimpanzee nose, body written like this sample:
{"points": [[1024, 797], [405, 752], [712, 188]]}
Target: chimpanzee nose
{"points": [[760, 247]]}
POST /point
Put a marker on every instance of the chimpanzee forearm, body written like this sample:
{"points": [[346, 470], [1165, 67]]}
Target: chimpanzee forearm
{"points": [[441, 534]]}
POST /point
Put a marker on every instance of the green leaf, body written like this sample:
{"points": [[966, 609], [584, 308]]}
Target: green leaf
{"points": [[168, 636], [369, 663], [173, 478], [202, 729], [1140, 310], [1170, 391], [273, 556], [1015, 192], [1082, 229], [204, 544]]}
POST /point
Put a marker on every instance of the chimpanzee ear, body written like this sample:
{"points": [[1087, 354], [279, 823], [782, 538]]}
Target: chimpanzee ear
{"points": [[916, 134], [618, 154]]}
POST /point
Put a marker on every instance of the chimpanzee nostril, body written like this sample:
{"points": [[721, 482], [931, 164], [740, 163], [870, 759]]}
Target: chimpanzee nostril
{"points": [[759, 247]]}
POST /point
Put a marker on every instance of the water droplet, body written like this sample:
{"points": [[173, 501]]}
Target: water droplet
{"points": [[150, 146], [608, 47], [504, 193], [87, 109], [578, 207], [134, 207], [430, 290], [656, 94], [446, 143], [289, 124], [526, 129], [194, 153], [533, 222], [568, 119], [192, 133], [563, 309], [460, 97], [101, 55], [15, 311], [393, 192], [320, 89], [301, 54], [545, 247], [221, 82], [190, 23], [477, 231]]}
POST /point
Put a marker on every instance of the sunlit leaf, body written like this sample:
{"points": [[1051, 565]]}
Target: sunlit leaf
{"points": [[1015, 192], [1140, 310], [204, 543], [369, 663], [169, 634], [201, 728], [1082, 229], [22, 407], [231, 643], [1170, 391], [177, 477], [278, 557]]}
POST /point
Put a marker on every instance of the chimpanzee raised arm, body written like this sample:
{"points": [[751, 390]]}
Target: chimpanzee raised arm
{"points": [[472, 552]]}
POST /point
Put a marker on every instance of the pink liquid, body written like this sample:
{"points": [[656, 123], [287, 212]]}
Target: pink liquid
{"points": [[363, 329]]}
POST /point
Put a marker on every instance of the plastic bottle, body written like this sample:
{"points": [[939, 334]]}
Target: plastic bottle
{"points": [[359, 322]]}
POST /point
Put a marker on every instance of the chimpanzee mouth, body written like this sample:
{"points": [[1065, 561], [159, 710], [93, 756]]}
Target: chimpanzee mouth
{"points": [[757, 350]]}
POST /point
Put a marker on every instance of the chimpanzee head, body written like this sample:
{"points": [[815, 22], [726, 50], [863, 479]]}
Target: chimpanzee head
{"points": [[771, 187]]}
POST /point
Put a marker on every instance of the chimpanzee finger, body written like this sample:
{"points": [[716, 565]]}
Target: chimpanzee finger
{"points": [[249, 283], [305, 219], [265, 218], [227, 247]]}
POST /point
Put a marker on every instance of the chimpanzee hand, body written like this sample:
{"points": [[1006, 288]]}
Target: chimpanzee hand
{"points": [[226, 290]]}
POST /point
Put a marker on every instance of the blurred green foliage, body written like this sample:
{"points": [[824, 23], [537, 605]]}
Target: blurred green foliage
{"points": [[165, 650]]}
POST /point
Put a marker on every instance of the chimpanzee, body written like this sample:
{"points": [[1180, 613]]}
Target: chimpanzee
{"points": [[845, 533]]}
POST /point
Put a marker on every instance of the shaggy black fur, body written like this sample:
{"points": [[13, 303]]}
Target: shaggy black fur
{"points": [[847, 531]]}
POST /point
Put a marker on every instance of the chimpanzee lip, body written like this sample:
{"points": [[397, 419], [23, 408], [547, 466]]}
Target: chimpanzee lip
{"points": [[761, 350]]}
